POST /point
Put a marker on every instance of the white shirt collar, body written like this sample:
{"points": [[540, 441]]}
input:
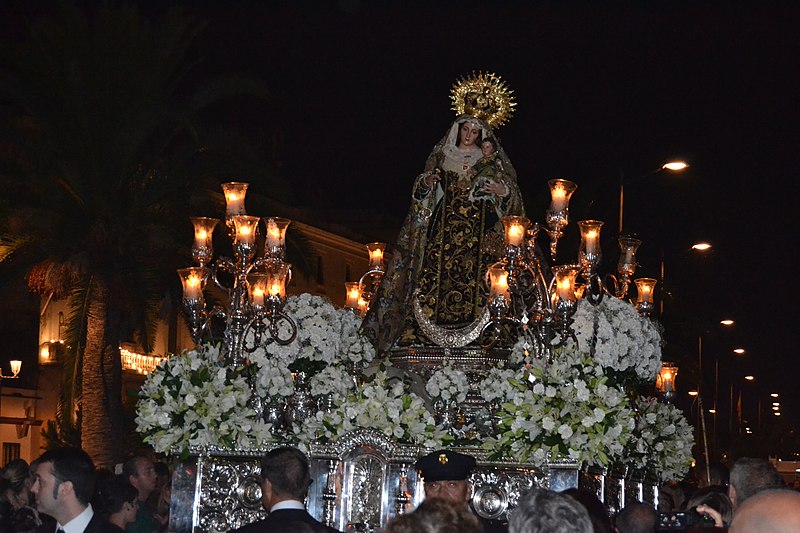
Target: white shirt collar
{"points": [[285, 504], [79, 523]]}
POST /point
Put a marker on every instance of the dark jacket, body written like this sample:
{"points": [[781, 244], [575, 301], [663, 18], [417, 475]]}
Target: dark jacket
{"points": [[287, 521]]}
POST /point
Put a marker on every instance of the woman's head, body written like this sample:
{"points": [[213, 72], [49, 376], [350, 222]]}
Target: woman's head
{"points": [[17, 474], [469, 133]]}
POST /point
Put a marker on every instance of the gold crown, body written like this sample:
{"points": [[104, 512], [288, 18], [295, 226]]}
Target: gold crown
{"points": [[485, 96]]}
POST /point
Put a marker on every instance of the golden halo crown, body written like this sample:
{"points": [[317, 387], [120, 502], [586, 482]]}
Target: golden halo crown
{"points": [[485, 96]]}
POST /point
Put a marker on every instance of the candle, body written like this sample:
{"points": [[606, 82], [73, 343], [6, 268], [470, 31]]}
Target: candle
{"points": [[645, 288], [591, 241], [353, 293], [559, 198], [273, 234], [499, 282], [564, 289], [245, 234], [193, 289], [363, 306], [375, 252], [276, 289], [234, 198], [516, 233], [258, 296]]}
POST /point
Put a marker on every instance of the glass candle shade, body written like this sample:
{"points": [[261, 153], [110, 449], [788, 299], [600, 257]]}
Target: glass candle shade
{"points": [[589, 252], [245, 227], [375, 252], [645, 288], [193, 280], [16, 366], [277, 278], [665, 380], [234, 192], [203, 248], [626, 266], [257, 288], [515, 230], [565, 282], [352, 294], [498, 282], [276, 235], [560, 192]]}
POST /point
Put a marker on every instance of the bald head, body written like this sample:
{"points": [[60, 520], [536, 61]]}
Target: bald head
{"points": [[769, 511]]}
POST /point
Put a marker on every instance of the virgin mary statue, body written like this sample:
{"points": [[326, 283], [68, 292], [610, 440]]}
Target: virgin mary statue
{"points": [[434, 282]]}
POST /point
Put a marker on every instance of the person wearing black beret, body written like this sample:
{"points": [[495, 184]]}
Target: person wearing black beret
{"points": [[446, 476]]}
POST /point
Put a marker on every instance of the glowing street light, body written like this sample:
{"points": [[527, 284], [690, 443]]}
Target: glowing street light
{"points": [[750, 378], [701, 246], [674, 165], [738, 351], [774, 395], [726, 322]]}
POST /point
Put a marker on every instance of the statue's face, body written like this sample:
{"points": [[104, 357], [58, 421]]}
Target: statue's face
{"points": [[468, 134], [487, 148]]}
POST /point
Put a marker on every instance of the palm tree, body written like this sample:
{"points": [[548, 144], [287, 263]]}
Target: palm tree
{"points": [[99, 134]]}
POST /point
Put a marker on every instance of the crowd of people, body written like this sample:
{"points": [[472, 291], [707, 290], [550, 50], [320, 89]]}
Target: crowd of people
{"points": [[62, 492]]}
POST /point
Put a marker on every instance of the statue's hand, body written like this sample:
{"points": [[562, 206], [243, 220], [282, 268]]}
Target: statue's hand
{"points": [[432, 178], [493, 187]]}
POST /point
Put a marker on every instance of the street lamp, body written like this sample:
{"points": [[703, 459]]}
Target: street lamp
{"points": [[16, 366], [738, 351], [672, 166]]}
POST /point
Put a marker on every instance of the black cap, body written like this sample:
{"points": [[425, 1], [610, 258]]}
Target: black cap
{"points": [[444, 465]]}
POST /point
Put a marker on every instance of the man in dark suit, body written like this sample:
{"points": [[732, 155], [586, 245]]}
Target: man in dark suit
{"points": [[63, 484], [285, 475]]}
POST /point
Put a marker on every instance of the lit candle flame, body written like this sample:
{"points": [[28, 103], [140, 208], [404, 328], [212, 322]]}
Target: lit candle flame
{"points": [[202, 235], [275, 289]]}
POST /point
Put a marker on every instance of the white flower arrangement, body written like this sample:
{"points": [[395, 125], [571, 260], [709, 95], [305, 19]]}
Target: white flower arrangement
{"points": [[383, 404], [622, 340], [564, 409], [191, 401], [496, 387], [662, 442], [332, 380], [448, 384]]}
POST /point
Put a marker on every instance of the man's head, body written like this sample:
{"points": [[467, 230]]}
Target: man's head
{"points": [[718, 473], [118, 497], [63, 482], [636, 517], [545, 511], [445, 474], [286, 476], [769, 511], [140, 472], [749, 476]]}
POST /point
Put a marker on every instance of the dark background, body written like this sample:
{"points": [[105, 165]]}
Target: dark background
{"points": [[360, 91]]}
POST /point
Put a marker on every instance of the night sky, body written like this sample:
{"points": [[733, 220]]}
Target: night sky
{"points": [[361, 91]]}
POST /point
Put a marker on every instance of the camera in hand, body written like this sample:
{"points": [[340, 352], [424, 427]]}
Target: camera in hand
{"points": [[681, 520]]}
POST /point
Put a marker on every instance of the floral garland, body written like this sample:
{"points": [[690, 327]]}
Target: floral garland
{"points": [[190, 401], [617, 337], [662, 442], [328, 347], [563, 409], [383, 404], [448, 384]]}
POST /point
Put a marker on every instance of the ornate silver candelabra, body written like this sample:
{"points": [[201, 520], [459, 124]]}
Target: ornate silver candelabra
{"points": [[255, 286]]}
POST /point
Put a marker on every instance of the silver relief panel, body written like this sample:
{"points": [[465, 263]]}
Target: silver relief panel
{"points": [[364, 489], [230, 494]]}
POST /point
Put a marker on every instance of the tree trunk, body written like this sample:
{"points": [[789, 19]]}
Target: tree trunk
{"points": [[101, 384]]}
